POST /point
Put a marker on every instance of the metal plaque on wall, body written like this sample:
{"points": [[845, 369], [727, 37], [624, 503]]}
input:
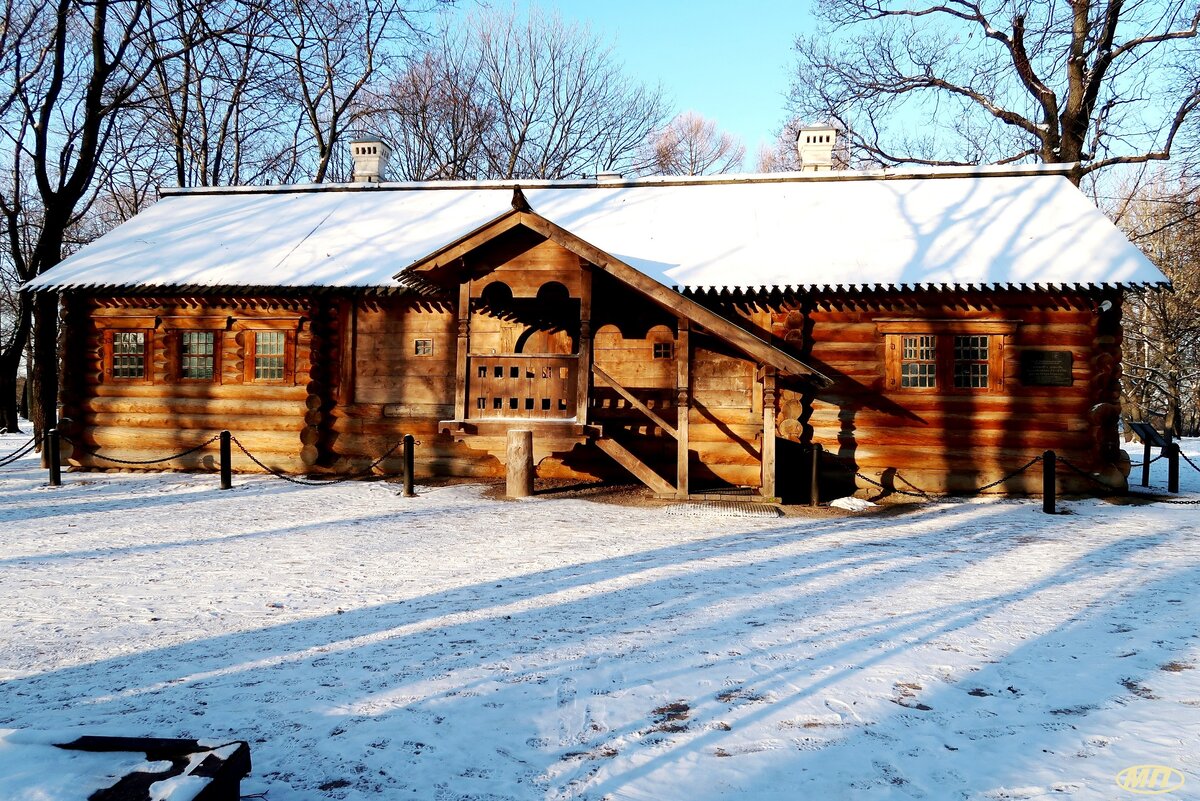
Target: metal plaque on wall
{"points": [[1046, 368]]}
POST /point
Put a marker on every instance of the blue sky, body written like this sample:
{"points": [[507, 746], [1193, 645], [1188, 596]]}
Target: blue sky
{"points": [[727, 61]]}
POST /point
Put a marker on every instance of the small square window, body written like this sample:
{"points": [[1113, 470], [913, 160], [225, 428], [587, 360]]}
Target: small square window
{"points": [[129, 355], [664, 350], [197, 355], [423, 347], [269, 355]]}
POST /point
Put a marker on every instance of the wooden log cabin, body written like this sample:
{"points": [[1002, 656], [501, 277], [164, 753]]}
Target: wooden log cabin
{"points": [[939, 327]]}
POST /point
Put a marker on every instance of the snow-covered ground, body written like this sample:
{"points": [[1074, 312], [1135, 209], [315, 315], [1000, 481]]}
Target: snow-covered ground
{"points": [[453, 647]]}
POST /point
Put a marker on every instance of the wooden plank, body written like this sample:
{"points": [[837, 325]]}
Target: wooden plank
{"points": [[638, 468], [583, 374], [633, 400]]}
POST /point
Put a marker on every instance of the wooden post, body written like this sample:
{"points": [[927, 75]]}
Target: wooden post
{"points": [[1146, 463], [584, 373], [1172, 467], [1049, 465], [519, 464], [464, 344], [409, 442], [52, 458], [683, 403], [814, 487], [768, 435], [226, 461]]}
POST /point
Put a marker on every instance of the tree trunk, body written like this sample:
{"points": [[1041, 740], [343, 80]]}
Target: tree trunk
{"points": [[10, 364], [43, 374]]}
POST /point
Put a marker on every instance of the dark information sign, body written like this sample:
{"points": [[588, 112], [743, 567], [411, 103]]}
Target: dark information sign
{"points": [[1046, 368]]}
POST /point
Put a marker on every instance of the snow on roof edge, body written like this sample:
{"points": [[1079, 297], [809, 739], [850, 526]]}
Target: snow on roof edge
{"points": [[886, 173]]}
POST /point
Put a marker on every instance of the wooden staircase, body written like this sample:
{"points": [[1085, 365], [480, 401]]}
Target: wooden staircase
{"points": [[624, 457]]}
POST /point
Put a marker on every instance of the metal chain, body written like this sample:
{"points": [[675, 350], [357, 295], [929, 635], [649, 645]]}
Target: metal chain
{"points": [[1152, 461], [309, 483], [1108, 489], [1188, 460], [20, 452], [141, 462], [920, 493]]}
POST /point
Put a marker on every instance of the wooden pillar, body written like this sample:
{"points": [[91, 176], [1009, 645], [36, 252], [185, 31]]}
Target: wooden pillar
{"points": [[683, 403], [519, 464], [768, 435], [584, 377], [464, 344]]}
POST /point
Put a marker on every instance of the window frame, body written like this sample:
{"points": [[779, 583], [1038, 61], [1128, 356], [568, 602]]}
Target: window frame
{"points": [[180, 336], [110, 373], [998, 333], [419, 344], [251, 351]]}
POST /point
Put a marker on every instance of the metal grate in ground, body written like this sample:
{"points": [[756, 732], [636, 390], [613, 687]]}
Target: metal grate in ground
{"points": [[723, 509]]}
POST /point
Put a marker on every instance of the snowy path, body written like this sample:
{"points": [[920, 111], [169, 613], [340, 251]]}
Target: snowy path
{"points": [[453, 647]]}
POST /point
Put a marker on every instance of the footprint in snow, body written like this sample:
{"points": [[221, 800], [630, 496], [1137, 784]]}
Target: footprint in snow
{"points": [[843, 709]]}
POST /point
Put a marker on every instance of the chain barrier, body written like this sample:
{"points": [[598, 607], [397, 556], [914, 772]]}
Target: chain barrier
{"points": [[920, 493], [139, 462], [1152, 461], [304, 482], [1108, 489], [1187, 459], [20, 452]]}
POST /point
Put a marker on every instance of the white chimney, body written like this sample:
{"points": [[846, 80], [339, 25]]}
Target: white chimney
{"points": [[815, 145], [370, 160]]}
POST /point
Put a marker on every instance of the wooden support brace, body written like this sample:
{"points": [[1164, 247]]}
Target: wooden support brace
{"points": [[634, 401]]}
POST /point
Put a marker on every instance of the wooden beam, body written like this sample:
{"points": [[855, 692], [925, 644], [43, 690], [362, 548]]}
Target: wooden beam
{"points": [[634, 465], [464, 348], [584, 373], [464, 245], [768, 435], [671, 300], [683, 403], [634, 402]]}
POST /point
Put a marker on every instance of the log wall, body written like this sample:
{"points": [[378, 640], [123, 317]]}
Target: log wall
{"points": [[162, 413], [946, 439]]}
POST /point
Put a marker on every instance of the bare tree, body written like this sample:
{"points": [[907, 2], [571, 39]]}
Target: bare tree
{"points": [[436, 114], [563, 103], [693, 145], [508, 96], [956, 82], [72, 69], [1162, 329], [334, 49]]}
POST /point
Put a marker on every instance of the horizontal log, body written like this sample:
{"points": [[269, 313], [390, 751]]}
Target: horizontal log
{"points": [[196, 422], [286, 410], [967, 441], [197, 462], [162, 442], [251, 391]]}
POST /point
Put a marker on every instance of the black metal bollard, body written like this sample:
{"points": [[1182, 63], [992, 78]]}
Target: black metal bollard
{"points": [[1146, 464], [226, 461], [52, 457], [409, 442], [814, 486], [1049, 468], [1173, 467]]}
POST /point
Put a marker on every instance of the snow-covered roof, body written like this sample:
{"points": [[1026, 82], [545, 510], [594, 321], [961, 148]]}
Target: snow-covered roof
{"points": [[978, 227]]}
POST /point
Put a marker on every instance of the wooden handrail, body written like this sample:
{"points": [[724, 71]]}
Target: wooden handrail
{"points": [[637, 404]]}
